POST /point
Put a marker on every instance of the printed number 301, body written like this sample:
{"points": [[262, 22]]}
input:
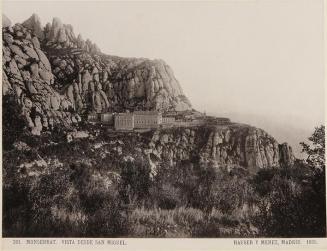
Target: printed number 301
{"points": [[16, 241]]}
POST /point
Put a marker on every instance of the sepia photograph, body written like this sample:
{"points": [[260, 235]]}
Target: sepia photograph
{"points": [[163, 119]]}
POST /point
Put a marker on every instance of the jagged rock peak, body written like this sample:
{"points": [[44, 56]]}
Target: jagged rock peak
{"points": [[34, 24], [57, 32], [80, 41], [79, 38], [59, 35], [5, 21], [56, 22]]}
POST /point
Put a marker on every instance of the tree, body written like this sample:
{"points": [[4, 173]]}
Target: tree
{"points": [[135, 176], [316, 160], [294, 202], [315, 150]]}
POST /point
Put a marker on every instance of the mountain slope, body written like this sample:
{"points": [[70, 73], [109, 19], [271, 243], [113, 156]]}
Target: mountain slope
{"points": [[118, 83], [54, 77]]}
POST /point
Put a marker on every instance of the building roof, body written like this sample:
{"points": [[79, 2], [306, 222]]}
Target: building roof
{"points": [[124, 114], [147, 113], [221, 118]]}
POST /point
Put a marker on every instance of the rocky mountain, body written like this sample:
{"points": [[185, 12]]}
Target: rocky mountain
{"points": [[54, 77], [59, 74]]}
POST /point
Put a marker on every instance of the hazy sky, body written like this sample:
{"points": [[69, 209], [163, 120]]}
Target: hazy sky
{"points": [[248, 57]]}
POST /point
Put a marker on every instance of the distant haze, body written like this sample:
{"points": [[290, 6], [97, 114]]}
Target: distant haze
{"points": [[260, 62]]}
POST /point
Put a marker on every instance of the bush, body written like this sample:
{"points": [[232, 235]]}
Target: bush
{"points": [[13, 123]]}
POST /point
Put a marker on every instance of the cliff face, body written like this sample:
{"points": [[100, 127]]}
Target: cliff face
{"points": [[55, 76], [27, 75], [105, 83], [228, 146]]}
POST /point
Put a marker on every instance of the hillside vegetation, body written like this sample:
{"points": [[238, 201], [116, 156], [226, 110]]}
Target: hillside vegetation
{"points": [[108, 188]]}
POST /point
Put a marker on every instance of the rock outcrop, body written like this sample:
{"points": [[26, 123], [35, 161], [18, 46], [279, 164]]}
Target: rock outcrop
{"points": [[286, 156], [108, 83], [62, 36], [94, 81], [229, 146], [27, 75], [150, 81], [118, 83]]}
